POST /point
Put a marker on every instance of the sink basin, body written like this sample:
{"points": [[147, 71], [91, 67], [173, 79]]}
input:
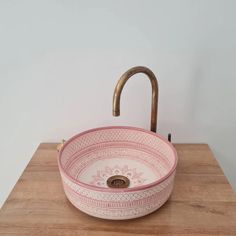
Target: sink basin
{"points": [[117, 172]]}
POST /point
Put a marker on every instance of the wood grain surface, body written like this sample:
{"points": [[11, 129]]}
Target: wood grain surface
{"points": [[202, 203]]}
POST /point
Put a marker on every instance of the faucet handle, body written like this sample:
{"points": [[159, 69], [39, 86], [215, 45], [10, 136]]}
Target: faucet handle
{"points": [[60, 145]]}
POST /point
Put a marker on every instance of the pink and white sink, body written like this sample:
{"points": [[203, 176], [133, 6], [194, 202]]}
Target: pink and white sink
{"points": [[117, 172]]}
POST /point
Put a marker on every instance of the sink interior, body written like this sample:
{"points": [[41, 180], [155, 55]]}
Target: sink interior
{"points": [[142, 162], [138, 165]]}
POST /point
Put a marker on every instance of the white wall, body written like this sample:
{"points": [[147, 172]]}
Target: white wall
{"points": [[60, 61]]}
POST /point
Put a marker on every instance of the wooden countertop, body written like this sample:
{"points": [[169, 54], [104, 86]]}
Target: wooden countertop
{"points": [[202, 203]]}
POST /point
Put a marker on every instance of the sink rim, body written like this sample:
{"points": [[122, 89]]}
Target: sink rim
{"points": [[118, 190]]}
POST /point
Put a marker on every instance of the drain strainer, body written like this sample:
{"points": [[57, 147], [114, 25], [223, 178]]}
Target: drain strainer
{"points": [[118, 181]]}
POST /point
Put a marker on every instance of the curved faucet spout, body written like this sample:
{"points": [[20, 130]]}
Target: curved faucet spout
{"points": [[123, 79]]}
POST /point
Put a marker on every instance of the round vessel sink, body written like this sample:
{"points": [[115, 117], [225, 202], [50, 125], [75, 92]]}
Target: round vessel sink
{"points": [[117, 172]]}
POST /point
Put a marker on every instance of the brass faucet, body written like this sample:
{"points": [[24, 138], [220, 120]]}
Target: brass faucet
{"points": [[123, 79]]}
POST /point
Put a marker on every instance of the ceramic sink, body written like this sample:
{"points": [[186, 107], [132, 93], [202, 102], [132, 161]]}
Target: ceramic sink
{"points": [[117, 172]]}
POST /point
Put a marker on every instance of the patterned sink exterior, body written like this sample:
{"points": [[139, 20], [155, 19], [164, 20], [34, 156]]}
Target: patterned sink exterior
{"points": [[88, 159]]}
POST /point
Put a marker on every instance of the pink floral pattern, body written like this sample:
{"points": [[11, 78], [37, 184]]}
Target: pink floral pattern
{"points": [[100, 179]]}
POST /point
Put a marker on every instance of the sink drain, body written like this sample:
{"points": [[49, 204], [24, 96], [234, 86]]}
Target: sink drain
{"points": [[118, 181]]}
